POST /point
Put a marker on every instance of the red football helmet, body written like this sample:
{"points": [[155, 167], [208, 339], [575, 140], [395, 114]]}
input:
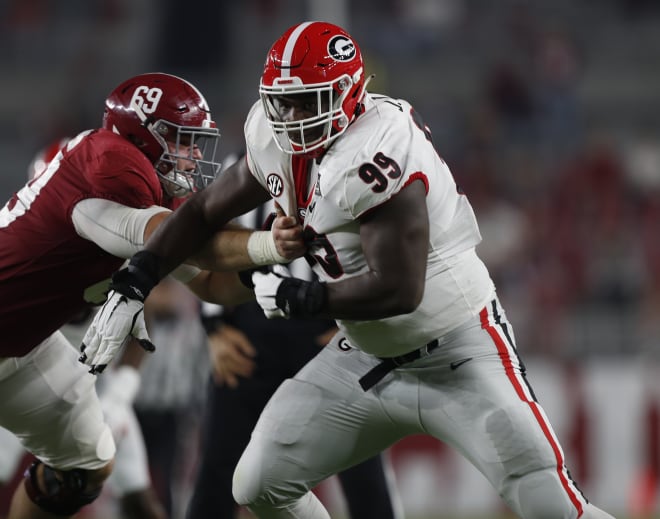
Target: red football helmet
{"points": [[168, 119], [313, 58]]}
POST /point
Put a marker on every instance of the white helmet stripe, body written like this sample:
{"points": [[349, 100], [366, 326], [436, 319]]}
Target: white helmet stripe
{"points": [[290, 45]]}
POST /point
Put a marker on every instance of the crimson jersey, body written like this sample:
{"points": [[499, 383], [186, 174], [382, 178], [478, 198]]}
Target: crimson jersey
{"points": [[48, 273]]}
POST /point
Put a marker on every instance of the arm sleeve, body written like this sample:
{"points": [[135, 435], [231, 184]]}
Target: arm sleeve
{"points": [[117, 229]]}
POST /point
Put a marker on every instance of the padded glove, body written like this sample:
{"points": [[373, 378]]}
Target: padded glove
{"points": [[122, 315], [282, 296]]}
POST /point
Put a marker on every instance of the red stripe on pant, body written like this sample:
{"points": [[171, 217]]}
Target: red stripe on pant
{"points": [[504, 354]]}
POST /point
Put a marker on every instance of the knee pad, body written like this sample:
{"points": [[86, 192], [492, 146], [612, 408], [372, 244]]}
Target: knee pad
{"points": [[64, 492]]}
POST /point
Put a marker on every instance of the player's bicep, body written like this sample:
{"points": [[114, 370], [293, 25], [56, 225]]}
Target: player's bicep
{"points": [[395, 237]]}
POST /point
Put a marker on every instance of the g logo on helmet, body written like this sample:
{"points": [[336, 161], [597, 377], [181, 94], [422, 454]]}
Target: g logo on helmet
{"points": [[341, 48]]}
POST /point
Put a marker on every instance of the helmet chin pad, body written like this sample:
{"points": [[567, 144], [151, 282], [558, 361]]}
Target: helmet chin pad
{"points": [[177, 185]]}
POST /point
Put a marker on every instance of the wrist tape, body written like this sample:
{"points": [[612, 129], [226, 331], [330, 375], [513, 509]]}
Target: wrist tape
{"points": [[262, 249]]}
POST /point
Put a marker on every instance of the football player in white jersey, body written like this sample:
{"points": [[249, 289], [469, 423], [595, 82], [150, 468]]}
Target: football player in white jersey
{"points": [[423, 346]]}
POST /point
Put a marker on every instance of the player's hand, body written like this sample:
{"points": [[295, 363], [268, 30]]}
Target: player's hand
{"points": [[232, 356], [266, 285], [288, 235], [120, 318], [284, 296]]}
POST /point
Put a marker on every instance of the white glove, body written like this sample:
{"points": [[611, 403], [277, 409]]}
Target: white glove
{"points": [[265, 288], [118, 320]]}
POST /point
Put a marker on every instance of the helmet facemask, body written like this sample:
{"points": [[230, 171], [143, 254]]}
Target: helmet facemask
{"points": [[195, 145], [312, 135]]}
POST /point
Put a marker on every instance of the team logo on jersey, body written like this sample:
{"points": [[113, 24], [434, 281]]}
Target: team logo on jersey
{"points": [[341, 48], [275, 184], [344, 345]]}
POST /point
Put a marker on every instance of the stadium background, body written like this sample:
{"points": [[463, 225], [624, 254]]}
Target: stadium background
{"points": [[548, 114]]}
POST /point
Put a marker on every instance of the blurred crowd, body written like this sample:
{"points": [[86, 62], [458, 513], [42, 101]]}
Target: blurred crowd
{"points": [[543, 111]]}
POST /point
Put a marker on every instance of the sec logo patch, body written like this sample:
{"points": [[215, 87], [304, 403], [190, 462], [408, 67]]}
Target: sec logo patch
{"points": [[275, 184]]}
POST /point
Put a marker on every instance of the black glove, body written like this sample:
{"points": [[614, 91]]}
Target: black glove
{"points": [[281, 296]]}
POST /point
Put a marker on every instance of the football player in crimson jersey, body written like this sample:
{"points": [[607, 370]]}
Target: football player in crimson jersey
{"points": [[62, 235], [424, 346], [130, 479]]}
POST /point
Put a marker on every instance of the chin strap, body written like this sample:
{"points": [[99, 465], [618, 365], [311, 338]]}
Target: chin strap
{"points": [[359, 107]]}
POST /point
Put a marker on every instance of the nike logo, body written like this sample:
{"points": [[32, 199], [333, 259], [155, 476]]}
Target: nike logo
{"points": [[457, 364]]}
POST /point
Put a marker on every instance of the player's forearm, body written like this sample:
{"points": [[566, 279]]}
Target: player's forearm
{"points": [[364, 297], [179, 237], [369, 296], [223, 288], [226, 250], [187, 232], [240, 249]]}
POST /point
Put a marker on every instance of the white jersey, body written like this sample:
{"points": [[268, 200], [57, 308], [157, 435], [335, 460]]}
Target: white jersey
{"points": [[385, 149]]}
